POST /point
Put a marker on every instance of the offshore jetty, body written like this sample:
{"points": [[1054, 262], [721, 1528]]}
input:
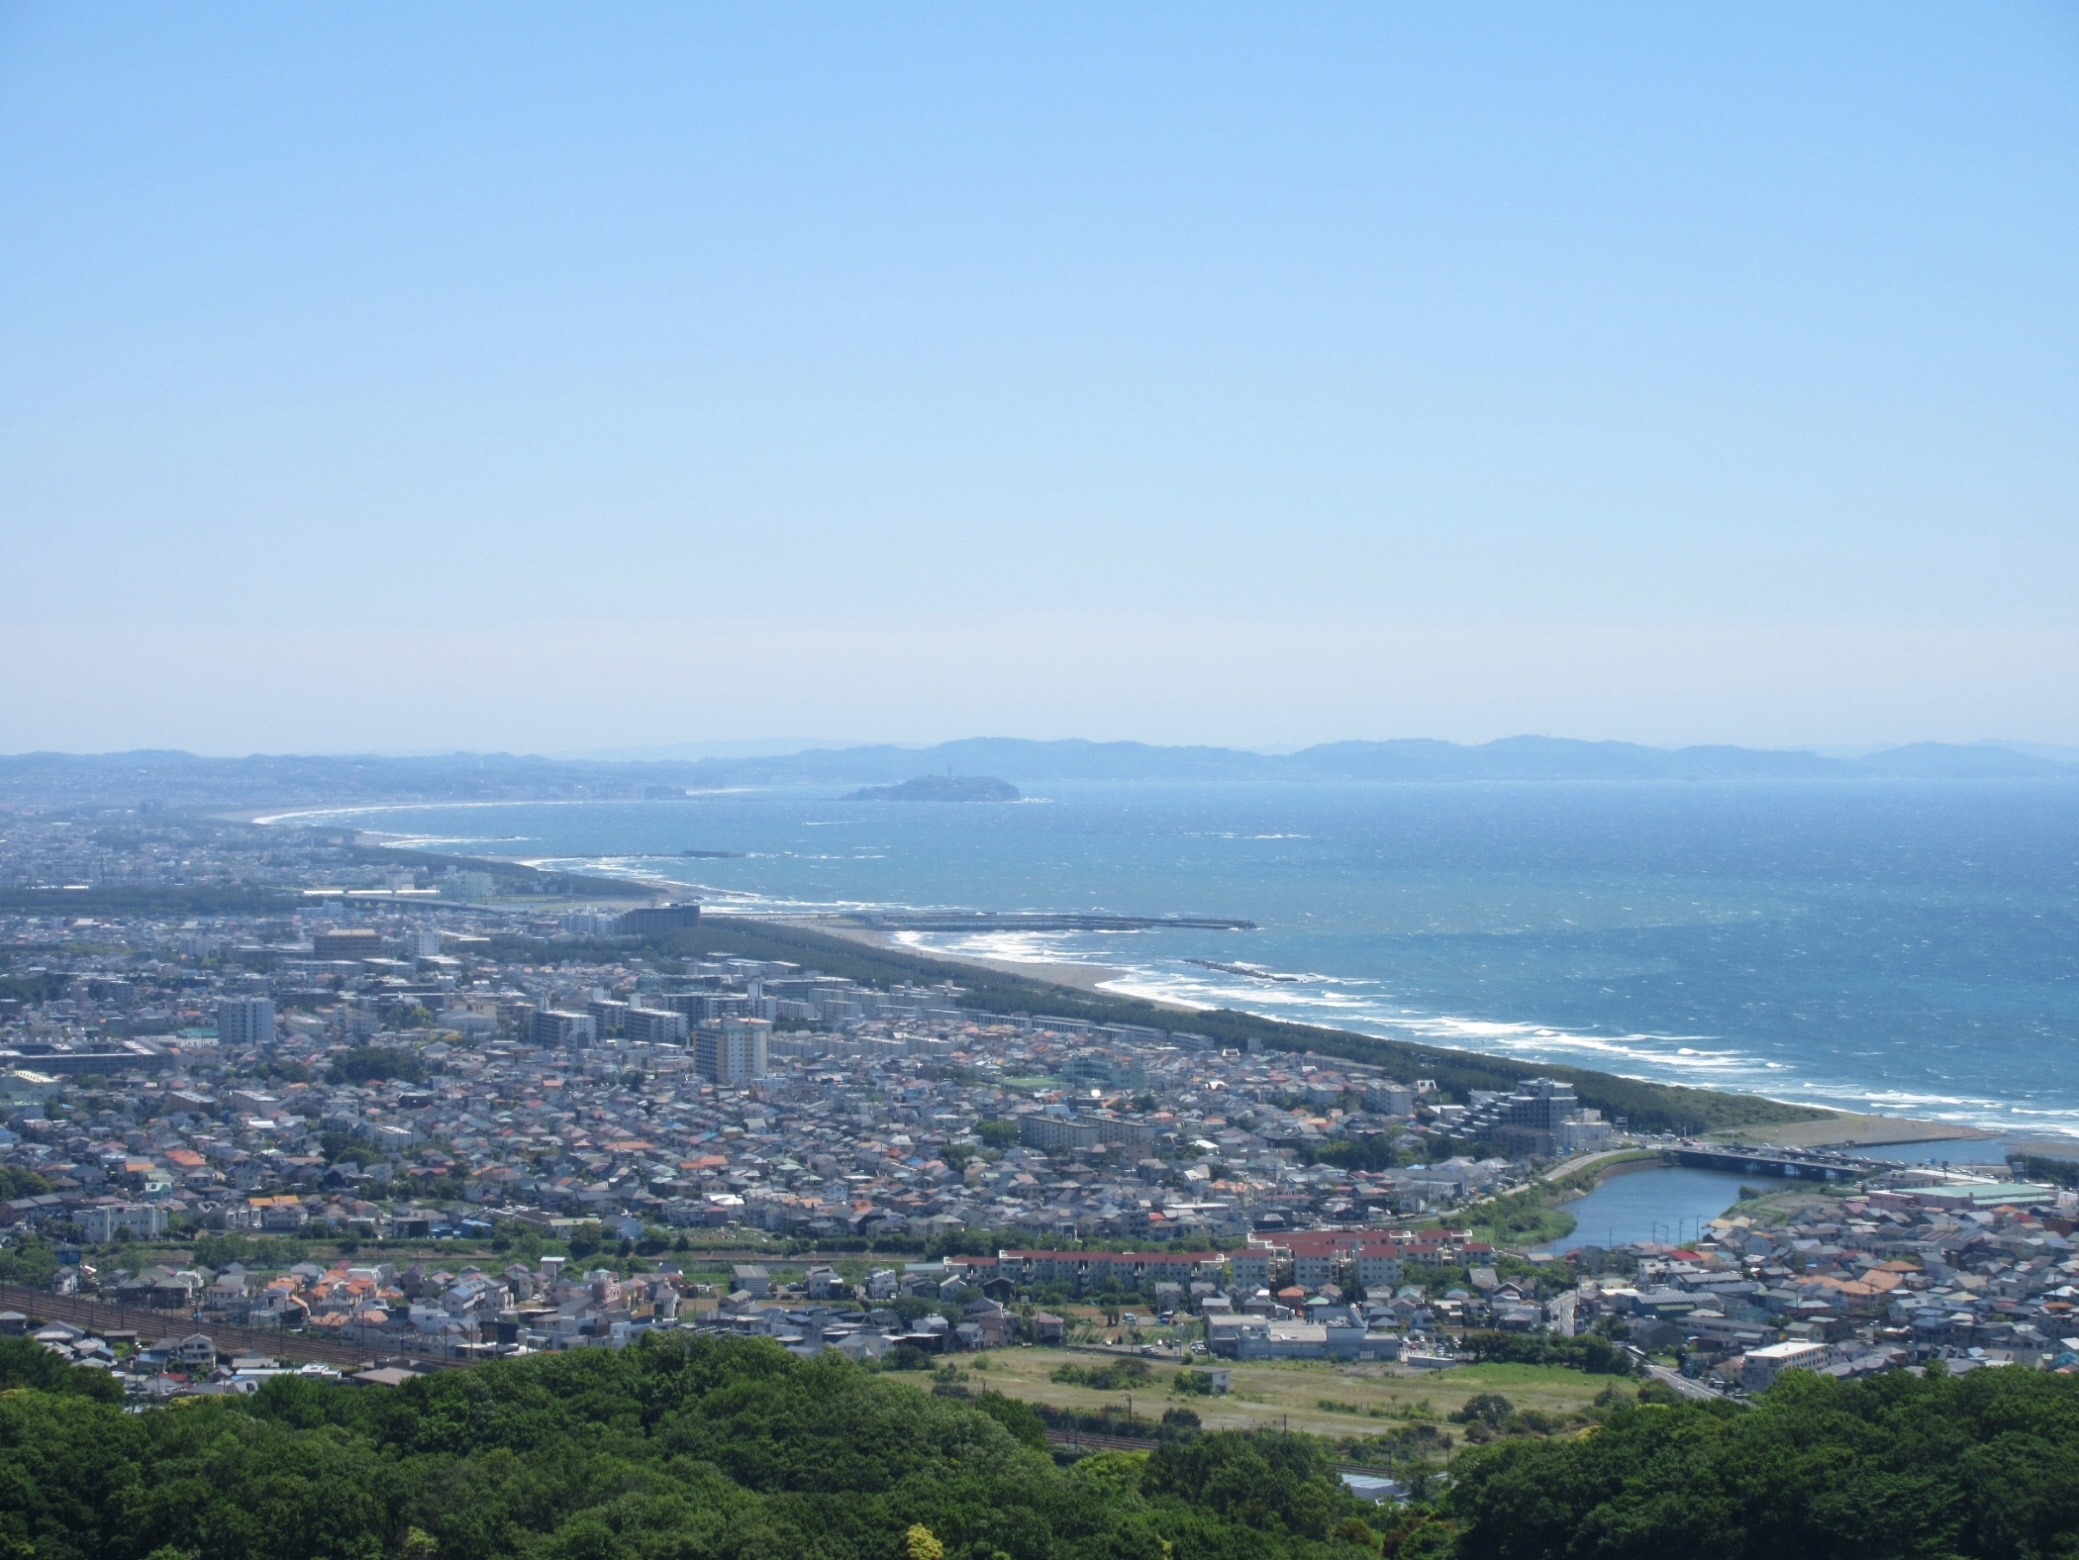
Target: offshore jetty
{"points": [[1019, 921]]}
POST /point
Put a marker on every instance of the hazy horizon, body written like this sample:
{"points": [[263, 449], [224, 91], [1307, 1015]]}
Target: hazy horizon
{"points": [[694, 752]]}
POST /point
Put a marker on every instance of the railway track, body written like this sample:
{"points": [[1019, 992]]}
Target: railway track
{"points": [[105, 1316]]}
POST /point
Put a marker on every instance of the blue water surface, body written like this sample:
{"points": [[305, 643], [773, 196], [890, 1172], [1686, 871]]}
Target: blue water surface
{"points": [[1898, 946], [1671, 1205]]}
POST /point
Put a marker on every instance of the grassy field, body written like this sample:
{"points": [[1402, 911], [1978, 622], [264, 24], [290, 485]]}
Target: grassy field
{"points": [[1368, 1398]]}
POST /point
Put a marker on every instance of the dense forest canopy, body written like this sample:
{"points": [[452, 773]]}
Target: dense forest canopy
{"points": [[691, 1447], [1895, 1467], [734, 1449]]}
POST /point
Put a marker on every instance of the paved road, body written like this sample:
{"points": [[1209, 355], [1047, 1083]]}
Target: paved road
{"points": [[1087, 1440], [1682, 1383], [1565, 1168], [1569, 1167]]}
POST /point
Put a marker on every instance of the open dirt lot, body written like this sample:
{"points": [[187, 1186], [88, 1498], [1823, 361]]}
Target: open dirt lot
{"points": [[1368, 1397]]}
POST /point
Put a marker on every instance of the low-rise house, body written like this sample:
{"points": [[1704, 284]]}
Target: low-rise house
{"points": [[995, 1328]]}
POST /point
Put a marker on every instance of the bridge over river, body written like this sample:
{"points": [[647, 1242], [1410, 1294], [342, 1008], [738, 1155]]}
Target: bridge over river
{"points": [[1749, 1159]]}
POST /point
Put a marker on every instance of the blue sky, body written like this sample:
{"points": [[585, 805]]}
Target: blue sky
{"points": [[567, 378]]}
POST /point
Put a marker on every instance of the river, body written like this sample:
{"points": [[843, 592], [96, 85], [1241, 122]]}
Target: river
{"points": [[1672, 1204]]}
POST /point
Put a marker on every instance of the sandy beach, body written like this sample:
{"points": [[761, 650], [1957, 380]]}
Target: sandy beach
{"points": [[1848, 1130], [1076, 977], [1842, 1129]]}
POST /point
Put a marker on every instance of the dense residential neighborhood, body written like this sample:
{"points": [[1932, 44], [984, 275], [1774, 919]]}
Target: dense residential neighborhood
{"points": [[389, 1057]]}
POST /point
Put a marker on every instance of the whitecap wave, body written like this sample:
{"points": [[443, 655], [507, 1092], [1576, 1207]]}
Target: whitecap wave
{"points": [[1816, 1074]]}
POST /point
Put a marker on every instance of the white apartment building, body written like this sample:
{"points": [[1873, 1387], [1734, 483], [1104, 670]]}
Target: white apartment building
{"points": [[732, 1051], [653, 1026], [243, 1021], [134, 1221]]}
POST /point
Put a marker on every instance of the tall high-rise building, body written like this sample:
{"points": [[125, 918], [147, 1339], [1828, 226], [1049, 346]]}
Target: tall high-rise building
{"points": [[472, 888], [345, 942], [654, 1026], [560, 1030], [245, 1021], [657, 920], [1540, 1104], [732, 1050]]}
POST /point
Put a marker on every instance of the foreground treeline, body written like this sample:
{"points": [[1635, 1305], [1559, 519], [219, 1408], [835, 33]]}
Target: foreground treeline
{"points": [[737, 1450], [1893, 1467], [687, 1448]]}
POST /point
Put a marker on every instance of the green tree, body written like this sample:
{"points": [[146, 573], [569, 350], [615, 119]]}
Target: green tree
{"points": [[373, 1063], [1263, 1479], [1985, 1464], [26, 1363], [1488, 1408]]}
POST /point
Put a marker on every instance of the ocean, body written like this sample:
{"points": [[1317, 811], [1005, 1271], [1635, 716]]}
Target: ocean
{"points": [[1904, 947]]}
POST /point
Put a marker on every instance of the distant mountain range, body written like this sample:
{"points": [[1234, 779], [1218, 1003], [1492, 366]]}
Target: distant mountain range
{"points": [[174, 779]]}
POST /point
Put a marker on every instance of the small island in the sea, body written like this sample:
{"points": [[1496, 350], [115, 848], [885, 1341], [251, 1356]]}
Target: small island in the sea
{"points": [[940, 788]]}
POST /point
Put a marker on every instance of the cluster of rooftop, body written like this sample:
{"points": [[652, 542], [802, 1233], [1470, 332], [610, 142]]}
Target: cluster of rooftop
{"points": [[1961, 1264], [382, 1056]]}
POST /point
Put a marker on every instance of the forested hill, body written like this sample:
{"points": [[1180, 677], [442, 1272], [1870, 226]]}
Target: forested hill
{"points": [[1895, 1467], [732, 1449], [736, 1450]]}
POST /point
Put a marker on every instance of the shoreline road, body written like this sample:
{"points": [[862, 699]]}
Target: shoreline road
{"points": [[1567, 1167]]}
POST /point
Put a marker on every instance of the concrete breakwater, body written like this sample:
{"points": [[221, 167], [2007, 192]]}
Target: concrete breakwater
{"points": [[1035, 921]]}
